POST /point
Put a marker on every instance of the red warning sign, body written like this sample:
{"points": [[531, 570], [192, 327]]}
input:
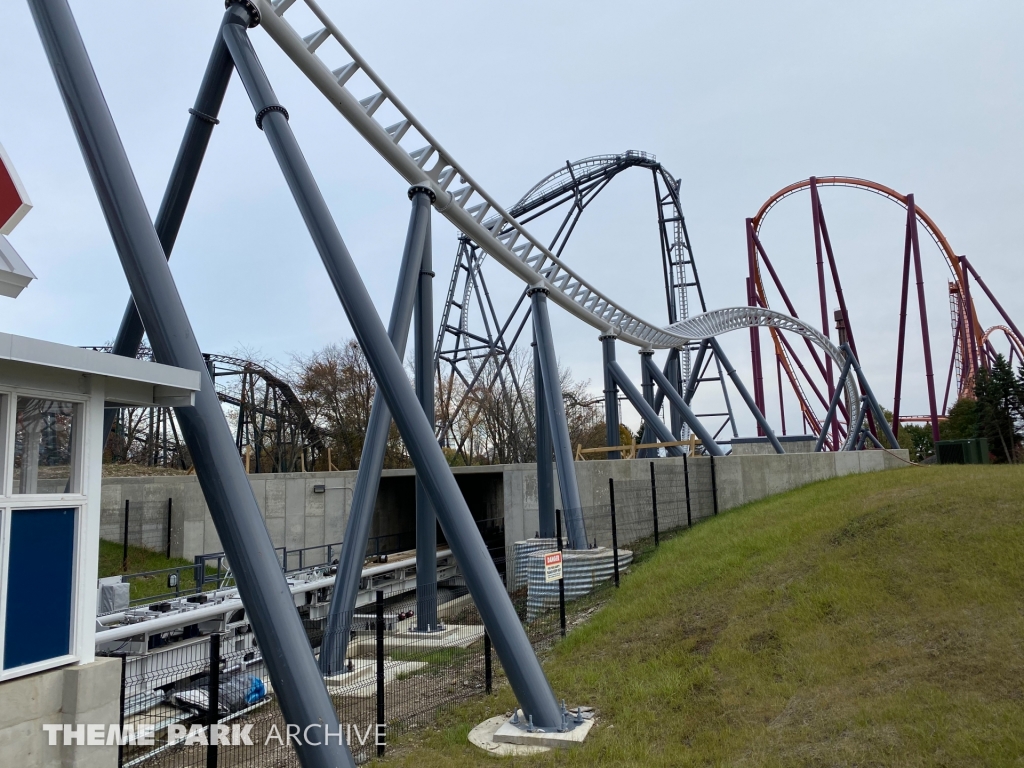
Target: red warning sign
{"points": [[552, 566], [14, 202]]}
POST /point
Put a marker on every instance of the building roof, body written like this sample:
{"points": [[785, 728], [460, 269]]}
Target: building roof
{"points": [[129, 381]]}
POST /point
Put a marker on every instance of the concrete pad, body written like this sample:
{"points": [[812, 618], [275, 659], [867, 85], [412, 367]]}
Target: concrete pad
{"points": [[483, 736], [362, 680], [404, 639], [518, 733]]}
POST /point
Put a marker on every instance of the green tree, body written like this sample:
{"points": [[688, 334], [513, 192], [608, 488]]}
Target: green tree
{"points": [[997, 392], [962, 421]]}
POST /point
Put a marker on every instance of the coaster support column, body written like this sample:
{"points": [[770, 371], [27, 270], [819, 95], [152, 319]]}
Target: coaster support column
{"points": [[524, 672], [375, 443], [269, 605], [572, 507]]}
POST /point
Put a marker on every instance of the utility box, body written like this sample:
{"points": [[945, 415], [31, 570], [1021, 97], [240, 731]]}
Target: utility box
{"points": [[973, 451]]}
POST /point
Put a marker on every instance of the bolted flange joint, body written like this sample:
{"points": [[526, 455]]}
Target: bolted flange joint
{"points": [[536, 289], [266, 111], [250, 8], [646, 352], [417, 188]]}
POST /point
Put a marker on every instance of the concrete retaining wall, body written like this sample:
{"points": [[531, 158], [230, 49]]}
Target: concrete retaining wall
{"points": [[297, 516]]}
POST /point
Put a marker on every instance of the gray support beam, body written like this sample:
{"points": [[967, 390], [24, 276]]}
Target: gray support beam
{"points": [[695, 424], [869, 393], [611, 397], [371, 460], [202, 118], [545, 476], [496, 610], [673, 372], [741, 388], [633, 395], [572, 507], [833, 405], [261, 584], [647, 389], [698, 363], [426, 520]]}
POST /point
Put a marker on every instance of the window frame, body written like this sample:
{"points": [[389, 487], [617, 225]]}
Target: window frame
{"points": [[76, 500]]}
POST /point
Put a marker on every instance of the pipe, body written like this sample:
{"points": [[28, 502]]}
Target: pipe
{"points": [[375, 443], [875, 407], [611, 397], [738, 383], [423, 362], [545, 478], [202, 119], [925, 339], [698, 363], [572, 506], [647, 389], [833, 405], [499, 617], [271, 610], [650, 417], [698, 428]]}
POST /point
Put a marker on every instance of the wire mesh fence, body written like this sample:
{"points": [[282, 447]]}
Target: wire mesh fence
{"points": [[403, 658]]}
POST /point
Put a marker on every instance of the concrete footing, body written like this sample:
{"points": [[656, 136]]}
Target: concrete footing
{"points": [[503, 736]]}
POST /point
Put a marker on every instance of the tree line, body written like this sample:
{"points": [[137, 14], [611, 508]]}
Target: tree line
{"points": [[995, 412]]}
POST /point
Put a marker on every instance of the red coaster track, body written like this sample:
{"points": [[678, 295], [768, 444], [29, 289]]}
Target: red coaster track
{"points": [[970, 350]]}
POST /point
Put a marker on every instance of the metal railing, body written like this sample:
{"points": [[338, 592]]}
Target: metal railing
{"points": [[395, 678]]}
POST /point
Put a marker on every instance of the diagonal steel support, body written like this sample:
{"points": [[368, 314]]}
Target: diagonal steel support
{"points": [[695, 425], [261, 584], [371, 460], [762, 422], [636, 399], [833, 405], [695, 371], [572, 507], [870, 395], [202, 119], [499, 617]]}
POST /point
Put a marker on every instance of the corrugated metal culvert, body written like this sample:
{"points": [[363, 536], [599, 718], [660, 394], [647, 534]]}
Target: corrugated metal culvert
{"points": [[582, 571]]}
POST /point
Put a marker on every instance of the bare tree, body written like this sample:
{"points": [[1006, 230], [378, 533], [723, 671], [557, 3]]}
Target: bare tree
{"points": [[337, 388]]}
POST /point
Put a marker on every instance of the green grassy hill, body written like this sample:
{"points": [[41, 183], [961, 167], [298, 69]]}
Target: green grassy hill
{"points": [[869, 620]]}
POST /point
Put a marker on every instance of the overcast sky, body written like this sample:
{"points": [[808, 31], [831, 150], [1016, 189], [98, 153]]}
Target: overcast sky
{"points": [[735, 99]]}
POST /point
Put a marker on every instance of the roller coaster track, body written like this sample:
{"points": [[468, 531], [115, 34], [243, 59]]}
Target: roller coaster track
{"points": [[468, 206], [293, 413], [962, 303], [238, 366]]}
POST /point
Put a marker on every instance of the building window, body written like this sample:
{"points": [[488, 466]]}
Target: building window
{"points": [[39, 585], [44, 446]]}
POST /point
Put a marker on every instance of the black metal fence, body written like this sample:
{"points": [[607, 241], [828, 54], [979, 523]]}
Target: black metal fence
{"points": [[146, 524], [393, 673]]}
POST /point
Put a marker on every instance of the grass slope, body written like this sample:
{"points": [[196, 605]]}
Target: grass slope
{"points": [[868, 620]]}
